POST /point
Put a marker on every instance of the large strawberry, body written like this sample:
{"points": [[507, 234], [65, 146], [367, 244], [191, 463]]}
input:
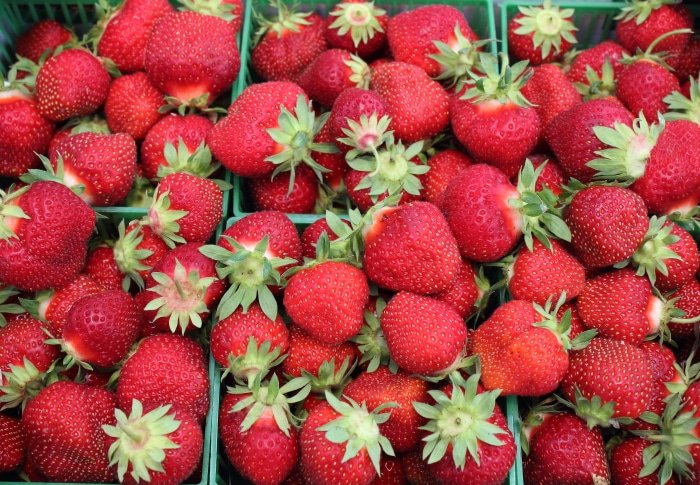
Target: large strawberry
{"points": [[357, 26], [14, 447], [331, 73], [45, 35], [132, 105]]}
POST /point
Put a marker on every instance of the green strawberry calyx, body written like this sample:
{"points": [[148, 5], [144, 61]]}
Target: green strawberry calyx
{"points": [[535, 417], [668, 313], [629, 149], [598, 86], [57, 174], [500, 85], [180, 297], [163, 220], [287, 20], [682, 108], [329, 377], [87, 124], [10, 212], [372, 343], [7, 293], [257, 361], [548, 24], [360, 73], [180, 159], [649, 54], [458, 60], [215, 8], [250, 272], [639, 10], [358, 428], [366, 135], [129, 256], [22, 382], [141, 440], [561, 327], [359, 19], [593, 411], [460, 421]]}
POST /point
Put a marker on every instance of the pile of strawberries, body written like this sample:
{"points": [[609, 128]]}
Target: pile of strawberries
{"points": [[491, 228]]}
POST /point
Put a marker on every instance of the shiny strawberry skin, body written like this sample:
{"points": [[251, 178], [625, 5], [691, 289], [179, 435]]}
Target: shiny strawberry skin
{"points": [[680, 271], [551, 92], [521, 46], [444, 166], [595, 57], [283, 237], [312, 233], [307, 353], [689, 301], [102, 268], [55, 309], [327, 76], [362, 199], [25, 337], [132, 105], [272, 195], [40, 37], [463, 292], [643, 85], [626, 464], [14, 447], [352, 103], [663, 19]]}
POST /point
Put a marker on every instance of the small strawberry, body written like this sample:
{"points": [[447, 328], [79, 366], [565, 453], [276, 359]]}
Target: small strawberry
{"points": [[357, 26], [627, 463], [687, 63], [45, 35], [132, 105], [465, 291], [14, 447], [346, 114], [331, 73], [642, 23], [550, 91], [275, 194], [687, 299], [314, 359], [594, 58], [103, 269], [312, 233], [136, 251], [444, 165]]}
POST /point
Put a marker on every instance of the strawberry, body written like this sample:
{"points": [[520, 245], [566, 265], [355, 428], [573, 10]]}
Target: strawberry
{"points": [[687, 64], [275, 195], [331, 73], [417, 105], [688, 300], [473, 416], [105, 184], [444, 165], [76, 126], [550, 91], [102, 268], [614, 371], [684, 104], [334, 163], [413, 34], [286, 45], [45, 35], [357, 26], [63, 429], [257, 428], [192, 57], [486, 212], [44, 230], [308, 356], [626, 464], [607, 225], [498, 126], [327, 459], [183, 287], [662, 360], [327, 300], [23, 133], [465, 291], [594, 58], [570, 134], [643, 85], [312, 233], [136, 251], [132, 105], [410, 248], [375, 388], [72, 83], [415, 469], [121, 33], [166, 369], [191, 129], [640, 24], [552, 176], [391, 473], [252, 254], [12, 437], [346, 114], [409, 323], [562, 449], [541, 34]]}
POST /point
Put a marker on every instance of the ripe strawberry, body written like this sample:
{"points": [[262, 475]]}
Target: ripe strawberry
{"points": [[626, 464], [570, 134], [687, 64], [662, 360], [552, 176], [357, 26], [63, 429], [45, 35], [166, 369], [391, 473], [562, 449], [23, 133], [274, 194], [307, 356], [607, 225], [417, 105], [44, 230], [73, 83], [312, 233], [121, 33], [643, 85], [286, 45], [346, 114], [594, 58], [136, 251], [334, 163], [641, 24], [106, 183], [331, 73], [183, 286], [616, 372], [412, 34], [409, 323], [444, 165], [415, 469], [551, 92], [327, 300], [76, 126], [541, 34], [103, 269], [465, 291], [688, 300], [376, 388], [192, 57], [14, 447], [410, 248], [499, 127], [132, 105]]}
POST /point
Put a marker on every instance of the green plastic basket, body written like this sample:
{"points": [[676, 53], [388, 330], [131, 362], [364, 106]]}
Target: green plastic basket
{"points": [[480, 14], [509, 404]]}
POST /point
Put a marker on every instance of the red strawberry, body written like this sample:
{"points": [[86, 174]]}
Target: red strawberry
{"points": [[73, 83], [616, 372], [136, 251], [594, 58], [410, 322], [410, 248], [541, 34], [313, 232], [689, 302], [166, 369], [331, 73], [357, 26], [415, 469], [562, 449], [552, 176], [334, 163], [412, 34], [122, 33], [643, 85], [86, 124], [551, 92], [327, 300], [626, 464], [192, 57], [44, 230], [23, 133], [286, 45], [63, 428], [499, 127], [391, 473], [607, 225], [132, 105], [570, 135], [642, 24], [444, 165], [106, 183], [348, 108], [103, 268], [308, 355], [661, 359], [381, 386], [45, 35], [542, 273], [465, 290], [14, 447], [687, 63], [274, 194], [417, 105]]}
